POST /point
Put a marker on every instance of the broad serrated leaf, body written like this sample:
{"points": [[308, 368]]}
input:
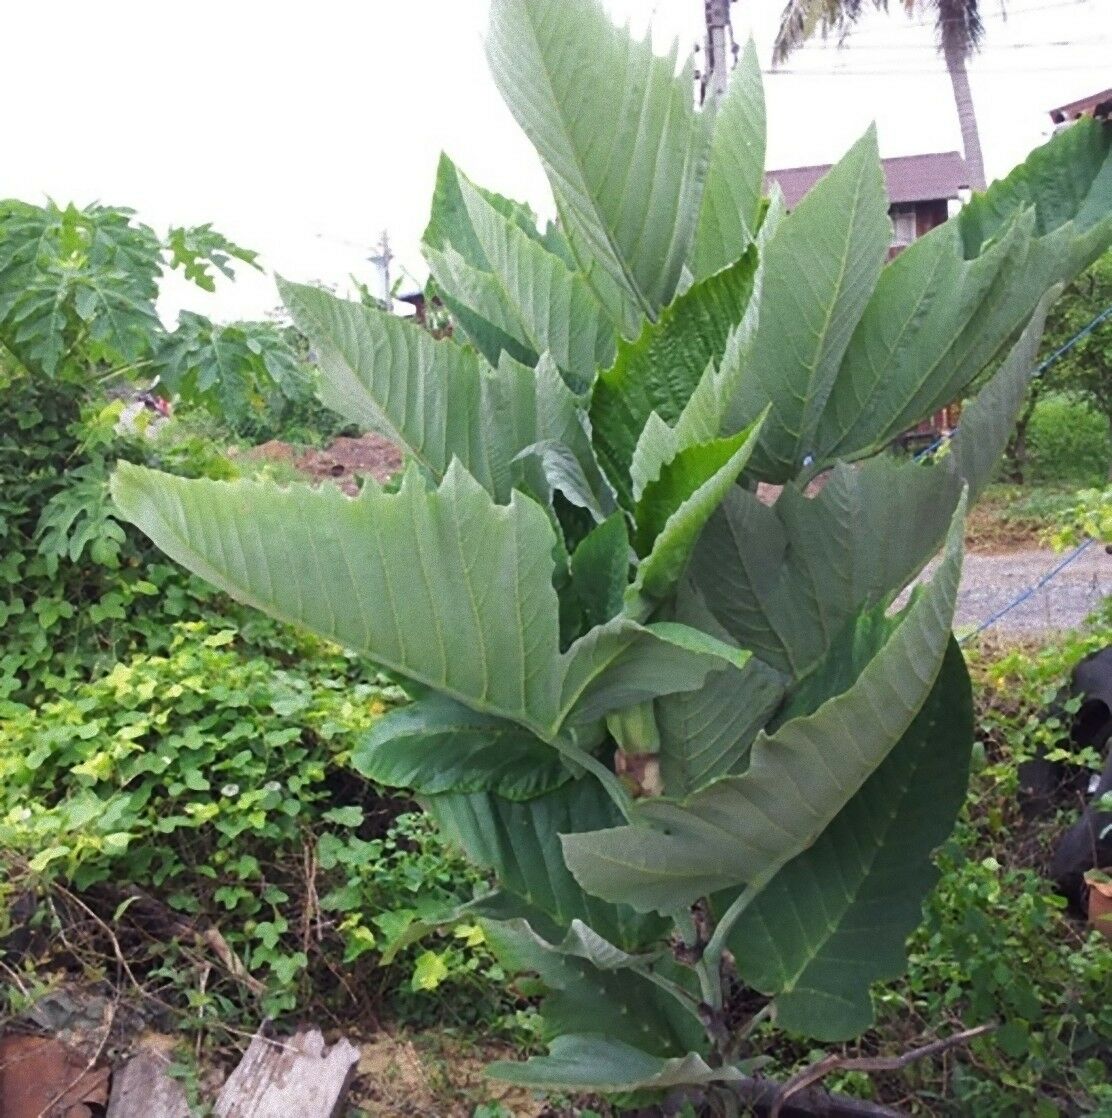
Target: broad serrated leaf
{"points": [[597, 1062], [434, 398], [450, 223], [622, 664], [556, 310], [628, 179], [442, 586], [950, 304], [674, 508], [707, 733], [731, 206], [661, 369], [477, 303], [580, 995], [431, 584], [519, 841], [836, 918], [1068, 184], [742, 829], [988, 421], [934, 323], [563, 473], [600, 570], [821, 266], [784, 580], [436, 745]]}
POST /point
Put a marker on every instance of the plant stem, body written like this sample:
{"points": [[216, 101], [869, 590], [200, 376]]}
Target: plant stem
{"points": [[684, 997], [717, 943], [615, 789]]}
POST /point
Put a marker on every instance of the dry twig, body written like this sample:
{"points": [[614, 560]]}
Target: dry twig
{"points": [[829, 1064]]}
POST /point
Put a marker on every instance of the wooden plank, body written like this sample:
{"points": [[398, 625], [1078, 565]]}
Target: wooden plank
{"points": [[143, 1089], [294, 1076]]}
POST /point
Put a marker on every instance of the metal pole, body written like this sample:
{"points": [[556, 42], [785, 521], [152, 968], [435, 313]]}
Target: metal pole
{"points": [[382, 260]]}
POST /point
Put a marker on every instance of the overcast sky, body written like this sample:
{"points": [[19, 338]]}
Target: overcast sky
{"points": [[303, 129]]}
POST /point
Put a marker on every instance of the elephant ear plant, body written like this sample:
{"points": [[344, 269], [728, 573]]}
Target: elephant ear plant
{"points": [[685, 729]]}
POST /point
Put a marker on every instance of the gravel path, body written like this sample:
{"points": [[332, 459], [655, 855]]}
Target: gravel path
{"points": [[990, 582]]}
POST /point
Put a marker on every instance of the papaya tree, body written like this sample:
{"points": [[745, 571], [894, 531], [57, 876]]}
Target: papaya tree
{"points": [[703, 756]]}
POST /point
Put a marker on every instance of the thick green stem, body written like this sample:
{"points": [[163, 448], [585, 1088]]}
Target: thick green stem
{"points": [[717, 943]]}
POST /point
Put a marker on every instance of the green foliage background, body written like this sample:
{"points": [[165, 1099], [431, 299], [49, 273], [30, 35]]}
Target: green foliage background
{"points": [[1068, 442]]}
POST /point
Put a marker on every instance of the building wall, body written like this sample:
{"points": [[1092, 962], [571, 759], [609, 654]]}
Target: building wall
{"points": [[929, 215]]}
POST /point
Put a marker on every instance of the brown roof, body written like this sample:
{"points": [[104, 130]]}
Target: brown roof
{"points": [[909, 178], [1098, 104]]}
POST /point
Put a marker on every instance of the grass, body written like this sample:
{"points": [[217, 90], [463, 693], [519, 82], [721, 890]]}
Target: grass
{"points": [[1016, 518]]}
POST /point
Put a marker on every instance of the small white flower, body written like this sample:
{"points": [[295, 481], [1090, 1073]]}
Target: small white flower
{"points": [[230, 790]]}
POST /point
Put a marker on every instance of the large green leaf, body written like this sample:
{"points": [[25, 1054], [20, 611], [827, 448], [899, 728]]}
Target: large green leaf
{"points": [[462, 272], [600, 570], [732, 196], [988, 421], [950, 304], [784, 580], [554, 306], [661, 369], [478, 304], [431, 397], [674, 508], [707, 733], [1068, 183], [442, 586], [598, 1062], [934, 323], [435, 398], [436, 745], [432, 584], [519, 841], [623, 664], [628, 178], [589, 984], [450, 224], [836, 918], [821, 266], [742, 829]]}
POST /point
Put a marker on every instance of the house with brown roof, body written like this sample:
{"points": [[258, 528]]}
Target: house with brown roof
{"points": [[1096, 104], [920, 190]]}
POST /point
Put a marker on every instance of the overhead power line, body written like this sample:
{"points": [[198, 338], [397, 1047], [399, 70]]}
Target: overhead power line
{"points": [[850, 72], [914, 25]]}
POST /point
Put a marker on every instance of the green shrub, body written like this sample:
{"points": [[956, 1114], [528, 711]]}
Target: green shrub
{"points": [[216, 782], [680, 726], [1068, 443]]}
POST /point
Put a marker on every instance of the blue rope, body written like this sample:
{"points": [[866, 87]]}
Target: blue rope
{"points": [[1028, 593], [1057, 355]]}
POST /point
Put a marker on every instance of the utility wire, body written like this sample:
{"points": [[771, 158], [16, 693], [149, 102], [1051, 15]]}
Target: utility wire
{"points": [[921, 24], [849, 72], [1029, 592]]}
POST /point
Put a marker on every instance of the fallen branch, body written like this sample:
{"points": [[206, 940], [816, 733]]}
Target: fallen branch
{"points": [[209, 937], [828, 1064]]}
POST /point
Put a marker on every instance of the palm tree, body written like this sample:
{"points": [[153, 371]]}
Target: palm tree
{"points": [[959, 27]]}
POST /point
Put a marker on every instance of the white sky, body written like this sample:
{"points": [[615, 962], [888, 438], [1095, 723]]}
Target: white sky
{"points": [[303, 129]]}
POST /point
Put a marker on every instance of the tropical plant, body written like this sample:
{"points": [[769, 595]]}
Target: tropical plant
{"points": [[78, 292], [958, 25], [704, 758]]}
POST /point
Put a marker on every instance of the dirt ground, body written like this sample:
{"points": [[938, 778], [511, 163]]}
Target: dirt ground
{"points": [[344, 461]]}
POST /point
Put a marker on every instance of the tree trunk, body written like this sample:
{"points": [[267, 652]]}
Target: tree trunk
{"points": [[967, 115]]}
